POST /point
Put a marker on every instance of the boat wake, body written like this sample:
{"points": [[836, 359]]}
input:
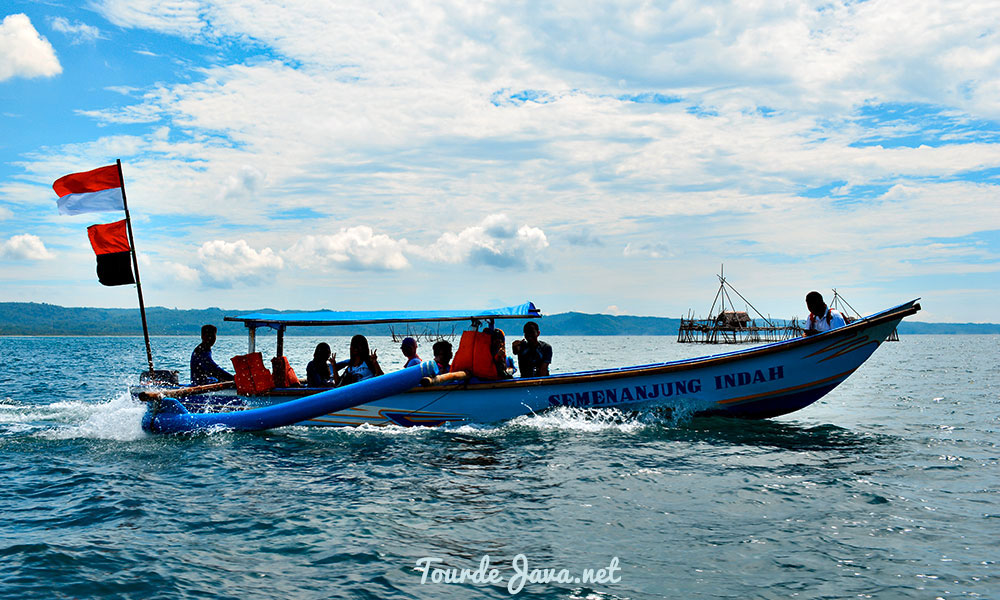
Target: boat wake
{"points": [[562, 418], [119, 418]]}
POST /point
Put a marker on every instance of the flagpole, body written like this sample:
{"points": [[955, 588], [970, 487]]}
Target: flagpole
{"points": [[135, 267]]}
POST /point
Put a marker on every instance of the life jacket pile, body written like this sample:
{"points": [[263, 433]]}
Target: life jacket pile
{"points": [[477, 354]]}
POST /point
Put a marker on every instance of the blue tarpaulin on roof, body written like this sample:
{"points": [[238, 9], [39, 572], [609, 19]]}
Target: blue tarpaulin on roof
{"points": [[349, 317]]}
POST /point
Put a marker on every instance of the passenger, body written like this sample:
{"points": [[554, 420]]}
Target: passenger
{"points": [[203, 368], [821, 318], [498, 345], [533, 355], [321, 372], [363, 364], [409, 348], [442, 356]]}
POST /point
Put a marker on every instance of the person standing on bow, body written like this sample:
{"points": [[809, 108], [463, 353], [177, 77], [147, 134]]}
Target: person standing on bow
{"points": [[533, 355], [409, 349], [363, 364], [203, 367], [821, 317]]}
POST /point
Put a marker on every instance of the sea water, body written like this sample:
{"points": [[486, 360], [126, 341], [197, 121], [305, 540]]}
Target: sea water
{"points": [[889, 487]]}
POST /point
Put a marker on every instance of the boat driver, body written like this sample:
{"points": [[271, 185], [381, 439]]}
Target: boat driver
{"points": [[821, 317], [203, 368]]}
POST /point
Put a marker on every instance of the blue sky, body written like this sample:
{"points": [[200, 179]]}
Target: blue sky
{"points": [[605, 157]]}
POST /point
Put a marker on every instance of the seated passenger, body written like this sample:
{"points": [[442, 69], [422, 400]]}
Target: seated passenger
{"points": [[442, 356], [363, 364], [409, 349], [203, 368], [321, 372], [533, 355], [821, 318], [498, 350]]}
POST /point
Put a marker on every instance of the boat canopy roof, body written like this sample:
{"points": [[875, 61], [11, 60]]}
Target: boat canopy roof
{"points": [[336, 317]]}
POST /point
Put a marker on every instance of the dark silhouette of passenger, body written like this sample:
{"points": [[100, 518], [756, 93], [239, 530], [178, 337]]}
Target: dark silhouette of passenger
{"points": [[203, 367], [321, 372], [442, 356], [533, 355]]}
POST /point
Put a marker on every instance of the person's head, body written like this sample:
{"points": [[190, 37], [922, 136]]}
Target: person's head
{"points": [[208, 334], [814, 301], [359, 349], [409, 347], [531, 331], [442, 352], [322, 352], [498, 341]]}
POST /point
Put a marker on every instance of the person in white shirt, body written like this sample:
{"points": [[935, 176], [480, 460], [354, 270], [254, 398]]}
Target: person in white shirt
{"points": [[363, 364], [821, 317]]}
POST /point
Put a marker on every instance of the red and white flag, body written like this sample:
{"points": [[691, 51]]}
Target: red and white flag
{"points": [[99, 190]]}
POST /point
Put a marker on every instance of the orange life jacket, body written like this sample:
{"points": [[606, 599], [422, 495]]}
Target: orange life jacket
{"points": [[251, 377], [284, 374]]}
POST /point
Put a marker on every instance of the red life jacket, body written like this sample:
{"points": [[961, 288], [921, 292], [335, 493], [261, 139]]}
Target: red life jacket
{"points": [[251, 377]]}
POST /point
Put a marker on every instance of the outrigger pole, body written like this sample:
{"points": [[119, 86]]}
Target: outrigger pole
{"points": [[135, 268]]}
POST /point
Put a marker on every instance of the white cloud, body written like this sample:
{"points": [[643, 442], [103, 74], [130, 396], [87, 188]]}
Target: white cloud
{"points": [[24, 247], [80, 32], [179, 17], [243, 184], [355, 248], [225, 263], [496, 242], [181, 273], [657, 250], [23, 52], [5, 213]]}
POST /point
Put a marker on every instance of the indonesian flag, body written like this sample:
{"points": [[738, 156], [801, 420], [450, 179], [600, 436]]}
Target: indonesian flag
{"points": [[92, 191], [114, 261]]}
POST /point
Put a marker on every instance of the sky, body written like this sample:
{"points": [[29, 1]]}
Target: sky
{"points": [[600, 157]]}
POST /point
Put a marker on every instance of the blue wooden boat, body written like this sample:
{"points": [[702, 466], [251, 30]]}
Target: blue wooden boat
{"points": [[760, 382]]}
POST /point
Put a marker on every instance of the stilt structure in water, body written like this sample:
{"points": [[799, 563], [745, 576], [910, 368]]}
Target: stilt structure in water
{"points": [[730, 326]]}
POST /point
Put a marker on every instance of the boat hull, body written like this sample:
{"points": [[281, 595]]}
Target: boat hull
{"points": [[761, 382]]}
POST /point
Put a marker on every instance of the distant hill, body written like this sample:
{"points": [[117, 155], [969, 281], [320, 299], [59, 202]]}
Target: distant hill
{"points": [[32, 318]]}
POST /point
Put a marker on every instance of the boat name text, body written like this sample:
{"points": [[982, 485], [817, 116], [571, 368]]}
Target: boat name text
{"points": [[656, 391]]}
